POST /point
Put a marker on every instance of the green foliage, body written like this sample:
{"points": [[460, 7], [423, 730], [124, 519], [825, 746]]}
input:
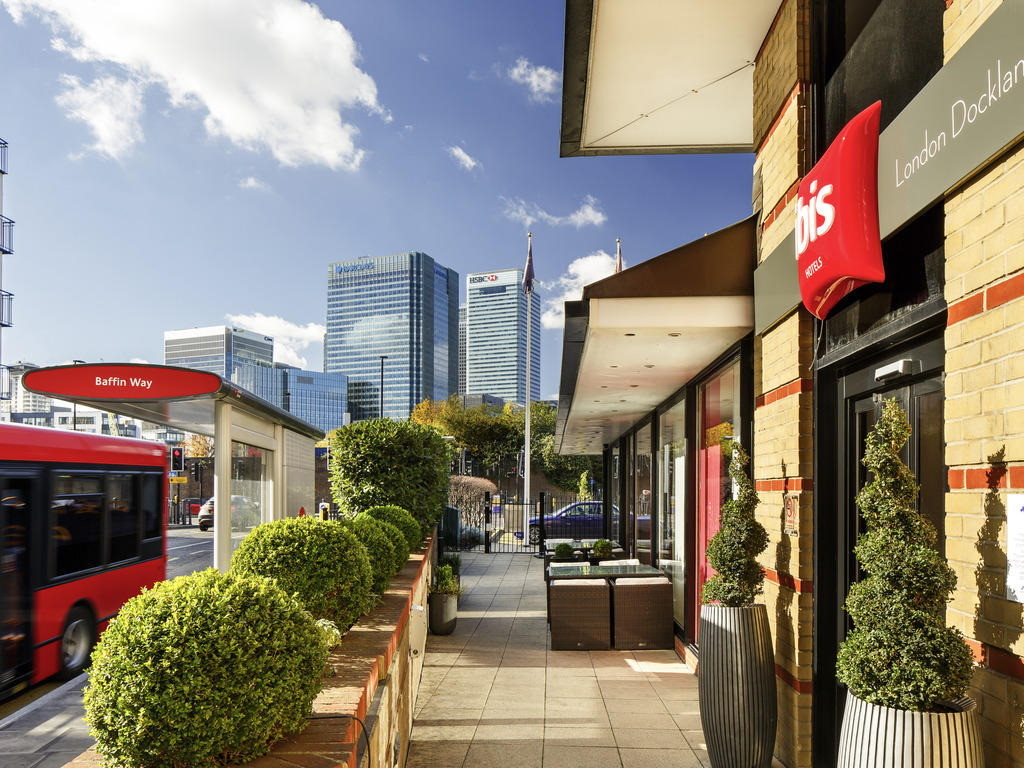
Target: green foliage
{"points": [[602, 548], [203, 670], [563, 472], [381, 461], [379, 548], [733, 551], [445, 582], [451, 559], [402, 520], [564, 551], [901, 653], [319, 561], [584, 487]]}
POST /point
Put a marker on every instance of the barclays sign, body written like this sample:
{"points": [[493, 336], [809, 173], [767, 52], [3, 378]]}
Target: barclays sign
{"points": [[357, 267]]}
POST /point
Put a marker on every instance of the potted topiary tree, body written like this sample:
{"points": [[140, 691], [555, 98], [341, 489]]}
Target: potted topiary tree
{"points": [[736, 676], [563, 552], [906, 669], [444, 601], [602, 550]]}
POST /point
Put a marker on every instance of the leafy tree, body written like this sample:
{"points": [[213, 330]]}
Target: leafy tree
{"points": [[901, 653], [197, 446], [381, 462]]}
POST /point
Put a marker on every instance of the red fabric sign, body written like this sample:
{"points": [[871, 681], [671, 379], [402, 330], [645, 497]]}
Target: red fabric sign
{"points": [[838, 247], [123, 381]]}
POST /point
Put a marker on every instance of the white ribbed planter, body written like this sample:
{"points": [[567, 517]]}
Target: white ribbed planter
{"points": [[879, 737], [736, 686]]}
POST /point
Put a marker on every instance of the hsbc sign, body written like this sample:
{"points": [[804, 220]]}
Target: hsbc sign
{"points": [[838, 247], [482, 279]]}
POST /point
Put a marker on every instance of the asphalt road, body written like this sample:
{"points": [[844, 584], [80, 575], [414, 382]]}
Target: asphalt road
{"points": [[44, 727]]}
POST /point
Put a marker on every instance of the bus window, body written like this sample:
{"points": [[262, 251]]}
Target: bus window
{"points": [[123, 517], [15, 637], [76, 525]]}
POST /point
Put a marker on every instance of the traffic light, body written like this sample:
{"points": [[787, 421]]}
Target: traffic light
{"points": [[177, 459], [197, 469]]}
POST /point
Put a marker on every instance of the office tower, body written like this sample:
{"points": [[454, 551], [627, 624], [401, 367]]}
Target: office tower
{"points": [[462, 349], [217, 349], [392, 320], [496, 336], [318, 398]]}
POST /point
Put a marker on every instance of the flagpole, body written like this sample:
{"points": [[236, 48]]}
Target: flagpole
{"points": [[529, 313]]}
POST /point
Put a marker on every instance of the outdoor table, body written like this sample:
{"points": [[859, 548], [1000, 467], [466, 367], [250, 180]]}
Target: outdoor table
{"points": [[579, 545], [611, 572]]}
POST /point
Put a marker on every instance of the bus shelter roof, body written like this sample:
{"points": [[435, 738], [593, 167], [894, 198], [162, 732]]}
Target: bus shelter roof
{"points": [[181, 398]]}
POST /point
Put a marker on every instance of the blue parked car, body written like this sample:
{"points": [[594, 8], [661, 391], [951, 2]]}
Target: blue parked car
{"points": [[581, 520]]}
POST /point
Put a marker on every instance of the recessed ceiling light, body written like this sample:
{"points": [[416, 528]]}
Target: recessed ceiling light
{"points": [[648, 366], [629, 334], [613, 366], [673, 334]]}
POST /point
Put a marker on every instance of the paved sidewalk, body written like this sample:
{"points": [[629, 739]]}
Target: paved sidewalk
{"points": [[493, 694]]}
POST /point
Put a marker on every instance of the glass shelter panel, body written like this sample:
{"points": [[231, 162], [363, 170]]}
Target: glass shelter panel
{"points": [[249, 476], [672, 506], [642, 485]]}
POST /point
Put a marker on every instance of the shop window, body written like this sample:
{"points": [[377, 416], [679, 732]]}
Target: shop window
{"points": [[672, 505]]}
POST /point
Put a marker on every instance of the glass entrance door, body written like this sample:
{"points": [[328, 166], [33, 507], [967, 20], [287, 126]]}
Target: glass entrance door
{"points": [[914, 379]]}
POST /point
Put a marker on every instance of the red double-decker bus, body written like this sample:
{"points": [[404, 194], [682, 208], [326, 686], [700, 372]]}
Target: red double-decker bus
{"points": [[82, 527]]}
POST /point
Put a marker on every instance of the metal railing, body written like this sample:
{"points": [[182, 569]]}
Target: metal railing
{"points": [[5, 382], [6, 235], [6, 309]]}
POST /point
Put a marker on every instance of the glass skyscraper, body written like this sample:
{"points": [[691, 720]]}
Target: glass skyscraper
{"points": [[217, 349], [496, 336], [402, 307], [320, 399]]}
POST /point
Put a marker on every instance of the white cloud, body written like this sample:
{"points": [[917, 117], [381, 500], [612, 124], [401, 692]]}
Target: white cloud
{"points": [[252, 183], [424, 58], [462, 158], [111, 108], [569, 286], [528, 213], [270, 75], [542, 82], [290, 339]]}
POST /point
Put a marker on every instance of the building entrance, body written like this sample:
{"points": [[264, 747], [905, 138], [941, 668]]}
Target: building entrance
{"points": [[913, 377]]}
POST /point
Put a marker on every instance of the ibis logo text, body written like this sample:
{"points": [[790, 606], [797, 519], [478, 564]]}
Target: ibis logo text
{"points": [[837, 244]]}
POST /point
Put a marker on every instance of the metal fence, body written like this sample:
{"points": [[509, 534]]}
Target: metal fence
{"points": [[486, 525]]}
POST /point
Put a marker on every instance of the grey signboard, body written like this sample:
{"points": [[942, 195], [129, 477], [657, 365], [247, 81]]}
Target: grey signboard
{"points": [[967, 114]]}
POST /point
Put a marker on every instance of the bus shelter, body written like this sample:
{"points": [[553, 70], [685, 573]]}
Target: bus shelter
{"points": [[262, 455]]}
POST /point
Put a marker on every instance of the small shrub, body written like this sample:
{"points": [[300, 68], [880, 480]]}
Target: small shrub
{"points": [[602, 548], [379, 547], [401, 519], [445, 582], [564, 551], [320, 561], [451, 559], [733, 551], [203, 670]]}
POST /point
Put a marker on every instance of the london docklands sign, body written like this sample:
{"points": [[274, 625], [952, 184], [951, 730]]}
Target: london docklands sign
{"points": [[968, 113]]}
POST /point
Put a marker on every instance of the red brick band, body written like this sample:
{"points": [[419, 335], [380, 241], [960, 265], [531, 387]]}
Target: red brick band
{"points": [[994, 296], [986, 478], [800, 586], [800, 686], [796, 387], [785, 485]]}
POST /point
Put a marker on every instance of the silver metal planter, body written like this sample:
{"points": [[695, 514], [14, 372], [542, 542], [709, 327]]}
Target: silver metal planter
{"points": [[881, 737], [736, 686]]}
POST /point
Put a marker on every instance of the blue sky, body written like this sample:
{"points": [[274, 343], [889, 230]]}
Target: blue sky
{"points": [[180, 163]]}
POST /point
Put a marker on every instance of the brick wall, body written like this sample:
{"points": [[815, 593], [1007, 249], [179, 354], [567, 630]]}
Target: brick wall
{"points": [[984, 415], [783, 414]]}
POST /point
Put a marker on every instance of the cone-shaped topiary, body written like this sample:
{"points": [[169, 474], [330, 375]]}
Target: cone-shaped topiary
{"points": [[733, 551], [900, 654], [320, 561], [203, 670]]}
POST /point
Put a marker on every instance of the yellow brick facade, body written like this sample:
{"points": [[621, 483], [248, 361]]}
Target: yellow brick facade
{"points": [[984, 431], [783, 415]]}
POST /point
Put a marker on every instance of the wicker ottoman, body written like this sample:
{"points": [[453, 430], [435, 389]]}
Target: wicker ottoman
{"points": [[580, 615], [643, 614]]}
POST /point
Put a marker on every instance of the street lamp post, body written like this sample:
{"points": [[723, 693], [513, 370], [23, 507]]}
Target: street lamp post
{"points": [[382, 359], [74, 405]]}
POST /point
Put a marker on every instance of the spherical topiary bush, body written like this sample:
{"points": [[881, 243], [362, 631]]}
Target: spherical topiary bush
{"points": [[401, 519], [203, 670], [378, 547], [395, 536], [320, 561]]}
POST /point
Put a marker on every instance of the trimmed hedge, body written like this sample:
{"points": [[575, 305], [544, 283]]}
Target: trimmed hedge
{"points": [[379, 548], [320, 561], [401, 519], [203, 670]]}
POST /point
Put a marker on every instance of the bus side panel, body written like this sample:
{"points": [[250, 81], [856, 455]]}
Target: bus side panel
{"points": [[103, 592]]}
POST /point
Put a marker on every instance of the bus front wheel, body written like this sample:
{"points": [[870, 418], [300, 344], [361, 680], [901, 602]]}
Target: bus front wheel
{"points": [[77, 642]]}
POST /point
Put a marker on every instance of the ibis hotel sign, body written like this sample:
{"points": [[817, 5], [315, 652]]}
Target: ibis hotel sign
{"points": [[970, 112]]}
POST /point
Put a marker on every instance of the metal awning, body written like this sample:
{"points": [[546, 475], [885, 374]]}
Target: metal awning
{"points": [[638, 336], [181, 398], [650, 76]]}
